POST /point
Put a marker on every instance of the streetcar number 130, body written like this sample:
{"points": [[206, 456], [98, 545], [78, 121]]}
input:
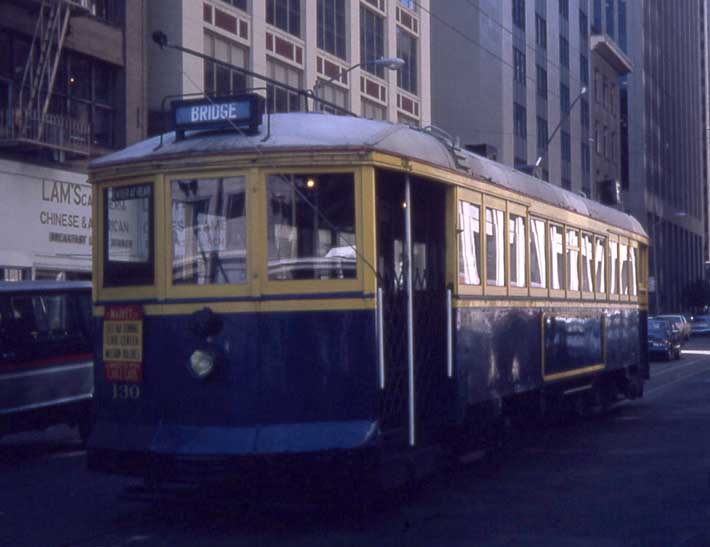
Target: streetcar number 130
{"points": [[125, 391]]}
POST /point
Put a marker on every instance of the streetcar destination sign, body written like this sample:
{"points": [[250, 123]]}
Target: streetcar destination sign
{"points": [[239, 112]]}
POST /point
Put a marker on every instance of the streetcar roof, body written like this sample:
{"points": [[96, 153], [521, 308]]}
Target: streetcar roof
{"points": [[310, 131]]}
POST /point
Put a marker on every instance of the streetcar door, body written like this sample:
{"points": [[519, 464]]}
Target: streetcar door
{"points": [[428, 210]]}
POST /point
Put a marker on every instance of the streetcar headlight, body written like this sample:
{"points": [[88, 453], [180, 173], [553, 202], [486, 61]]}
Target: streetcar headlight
{"points": [[202, 363]]}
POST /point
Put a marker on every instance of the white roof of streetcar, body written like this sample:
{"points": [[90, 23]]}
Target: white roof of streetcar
{"points": [[303, 132]]}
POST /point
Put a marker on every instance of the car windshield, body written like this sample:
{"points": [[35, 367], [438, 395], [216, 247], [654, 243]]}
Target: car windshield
{"points": [[657, 327]]}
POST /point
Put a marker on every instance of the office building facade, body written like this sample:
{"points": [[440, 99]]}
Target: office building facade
{"points": [[665, 126], [298, 43], [514, 76]]}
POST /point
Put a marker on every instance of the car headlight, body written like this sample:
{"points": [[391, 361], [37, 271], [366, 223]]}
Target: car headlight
{"points": [[202, 363]]}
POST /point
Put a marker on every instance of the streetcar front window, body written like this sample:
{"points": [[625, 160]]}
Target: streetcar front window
{"points": [[209, 231], [311, 226], [128, 235]]}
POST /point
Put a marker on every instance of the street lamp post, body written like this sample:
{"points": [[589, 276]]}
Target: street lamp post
{"points": [[391, 63], [542, 155]]}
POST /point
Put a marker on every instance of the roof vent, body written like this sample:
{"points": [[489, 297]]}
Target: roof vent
{"points": [[486, 150]]}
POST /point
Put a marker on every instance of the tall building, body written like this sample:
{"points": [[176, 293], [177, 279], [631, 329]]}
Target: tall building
{"points": [[299, 43], [609, 67], [72, 87], [665, 125], [513, 76]]}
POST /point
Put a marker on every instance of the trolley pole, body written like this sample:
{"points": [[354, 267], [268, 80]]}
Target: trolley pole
{"points": [[410, 305]]}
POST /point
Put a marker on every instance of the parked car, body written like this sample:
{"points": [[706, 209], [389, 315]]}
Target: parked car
{"points": [[663, 339], [46, 362], [680, 322], [700, 324]]}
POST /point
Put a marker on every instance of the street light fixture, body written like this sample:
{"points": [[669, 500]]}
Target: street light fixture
{"points": [[390, 63]]}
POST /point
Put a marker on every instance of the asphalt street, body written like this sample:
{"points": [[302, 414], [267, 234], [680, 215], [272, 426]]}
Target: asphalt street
{"points": [[637, 476]]}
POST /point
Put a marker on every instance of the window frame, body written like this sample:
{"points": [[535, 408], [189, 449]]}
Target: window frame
{"points": [[499, 204], [260, 258], [586, 295], [569, 293], [128, 292], [193, 290], [474, 198], [612, 239], [515, 209], [539, 291], [561, 292]]}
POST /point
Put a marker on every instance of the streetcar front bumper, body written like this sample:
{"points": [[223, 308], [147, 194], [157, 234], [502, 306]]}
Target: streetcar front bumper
{"points": [[200, 454]]}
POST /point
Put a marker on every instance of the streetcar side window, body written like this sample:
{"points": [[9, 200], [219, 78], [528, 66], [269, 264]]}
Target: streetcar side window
{"points": [[311, 226], [599, 263], [613, 265], [538, 262], [624, 268], [573, 260], [586, 262], [516, 237], [128, 235], [209, 231], [634, 260], [557, 255], [469, 243], [495, 247]]}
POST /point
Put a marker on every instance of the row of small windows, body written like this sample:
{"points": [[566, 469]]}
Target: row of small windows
{"points": [[559, 257]]}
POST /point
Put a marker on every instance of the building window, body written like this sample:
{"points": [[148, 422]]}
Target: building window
{"points": [[610, 27], [278, 98], [596, 85], [583, 69], [540, 31], [597, 139], [284, 14], [407, 50], [566, 147], [331, 27], [564, 8], [239, 4], [597, 26], [520, 121], [542, 135], [409, 4], [583, 26], [564, 52], [605, 93], [519, 66], [373, 111], [612, 147], [605, 142], [103, 9], [541, 82], [332, 94], [220, 80], [586, 159], [519, 14], [372, 41], [584, 110], [564, 99]]}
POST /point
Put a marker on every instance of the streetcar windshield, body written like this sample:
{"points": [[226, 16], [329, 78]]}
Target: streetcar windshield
{"points": [[128, 235], [209, 231], [311, 226]]}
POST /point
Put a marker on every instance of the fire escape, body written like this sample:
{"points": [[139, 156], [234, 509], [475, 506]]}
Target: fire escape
{"points": [[30, 124]]}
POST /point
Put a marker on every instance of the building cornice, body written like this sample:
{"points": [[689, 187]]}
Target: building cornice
{"points": [[609, 50]]}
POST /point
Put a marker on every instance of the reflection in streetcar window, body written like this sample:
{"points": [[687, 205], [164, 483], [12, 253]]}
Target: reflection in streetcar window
{"points": [[209, 231], [469, 243], [311, 226]]}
